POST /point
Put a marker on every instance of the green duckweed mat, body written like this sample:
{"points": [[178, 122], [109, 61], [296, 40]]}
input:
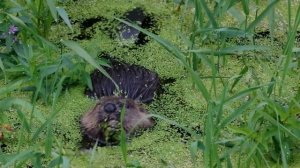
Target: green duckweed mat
{"points": [[164, 145]]}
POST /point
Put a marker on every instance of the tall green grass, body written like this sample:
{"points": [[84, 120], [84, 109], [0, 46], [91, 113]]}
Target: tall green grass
{"points": [[31, 63], [269, 131], [263, 130]]}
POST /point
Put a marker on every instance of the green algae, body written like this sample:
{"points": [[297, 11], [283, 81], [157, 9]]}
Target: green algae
{"points": [[180, 102]]}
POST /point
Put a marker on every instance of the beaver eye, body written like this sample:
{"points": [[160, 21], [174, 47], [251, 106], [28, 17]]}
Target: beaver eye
{"points": [[110, 107]]}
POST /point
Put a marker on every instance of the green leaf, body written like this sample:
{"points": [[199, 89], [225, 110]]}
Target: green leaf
{"points": [[83, 54], [55, 162], [271, 22], [20, 23], [241, 94], [237, 14], [171, 122], [245, 4], [235, 114], [51, 5], [9, 102], [282, 127], [289, 46], [231, 50], [211, 19], [123, 144], [1, 65], [93, 153], [66, 162], [241, 74], [48, 141], [241, 130], [228, 163], [87, 79], [178, 54], [25, 123], [263, 14], [166, 44], [44, 125], [11, 87], [63, 14], [21, 156], [236, 49], [271, 86], [48, 70], [195, 146]]}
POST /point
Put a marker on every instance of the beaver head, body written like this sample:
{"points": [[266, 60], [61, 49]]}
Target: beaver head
{"points": [[103, 123]]}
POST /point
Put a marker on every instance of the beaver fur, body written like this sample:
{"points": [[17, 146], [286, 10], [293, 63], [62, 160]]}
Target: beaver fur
{"points": [[103, 123], [135, 82], [137, 86]]}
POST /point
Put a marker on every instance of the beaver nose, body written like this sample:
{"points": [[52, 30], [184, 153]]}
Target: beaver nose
{"points": [[110, 108]]}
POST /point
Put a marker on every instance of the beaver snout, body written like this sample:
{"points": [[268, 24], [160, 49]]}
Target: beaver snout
{"points": [[110, 107]]}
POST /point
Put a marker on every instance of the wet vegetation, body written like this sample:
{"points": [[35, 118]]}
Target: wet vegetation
{"points": [[229, 72]]}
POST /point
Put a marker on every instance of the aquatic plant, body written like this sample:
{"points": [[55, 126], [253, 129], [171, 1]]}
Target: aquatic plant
{"points": [[31, 63], [250, 119], [268, 130]]}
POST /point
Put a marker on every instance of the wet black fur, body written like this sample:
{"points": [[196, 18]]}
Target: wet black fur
{"points": [[135, 82]]}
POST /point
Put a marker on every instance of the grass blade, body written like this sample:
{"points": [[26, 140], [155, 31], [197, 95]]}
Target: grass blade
{"points": [[66, 162], [245, 4], [83, 54], [178, 55], [235, 114], [3, 70], [241, 94], [9, 102], [11, 87], [289, 47], [209, 14], [64, 15], [166, 44], [25, 123], [52, 8], [55, 162], [93, 153], [48, 141], [241, 74], [263, 14], [22, 156], [123, 144], [234, 50], [44, 125]]}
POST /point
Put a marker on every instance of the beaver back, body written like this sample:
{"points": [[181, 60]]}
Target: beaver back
{"points": [[135, 82]]}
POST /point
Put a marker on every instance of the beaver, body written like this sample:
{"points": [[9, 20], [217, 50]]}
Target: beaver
{"points": [[137, 86], [103, 123], [135, 82]]}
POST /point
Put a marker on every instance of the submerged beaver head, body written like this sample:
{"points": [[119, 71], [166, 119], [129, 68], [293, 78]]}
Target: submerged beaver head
{"points": [[103, 123]]}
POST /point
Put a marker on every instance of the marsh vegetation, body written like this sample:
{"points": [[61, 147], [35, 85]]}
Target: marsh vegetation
{"points": [[229, 71]]}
